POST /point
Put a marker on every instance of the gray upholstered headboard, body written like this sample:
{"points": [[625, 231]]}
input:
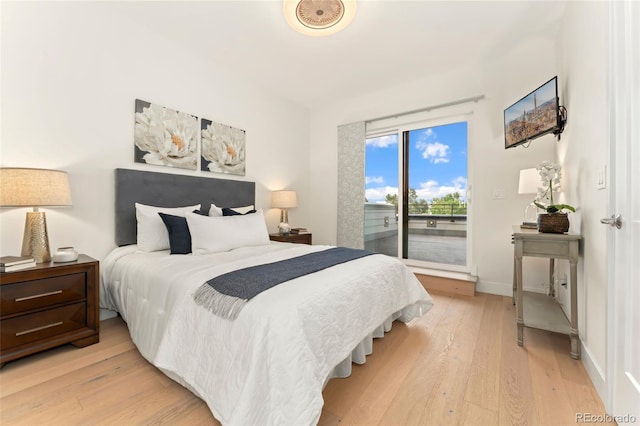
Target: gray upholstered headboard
{"points": [[171, 190]]}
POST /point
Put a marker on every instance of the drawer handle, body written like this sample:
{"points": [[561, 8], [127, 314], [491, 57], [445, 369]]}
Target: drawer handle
{"points": [[51, 293], [33, 330]]}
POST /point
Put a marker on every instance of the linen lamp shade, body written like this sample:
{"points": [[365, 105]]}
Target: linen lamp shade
{"points": [[285, 199], [529, 181], [34, 187]]}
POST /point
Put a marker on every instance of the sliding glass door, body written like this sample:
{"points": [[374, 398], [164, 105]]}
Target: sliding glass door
{"points": [[381, 194], [435, 212], [416, 194]]}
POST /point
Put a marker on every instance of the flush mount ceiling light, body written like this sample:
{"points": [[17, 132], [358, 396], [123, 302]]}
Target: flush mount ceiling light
{"points": [[319, 17]]}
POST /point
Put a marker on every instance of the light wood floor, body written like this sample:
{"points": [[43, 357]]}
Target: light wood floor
{"points": [[458, 364]]}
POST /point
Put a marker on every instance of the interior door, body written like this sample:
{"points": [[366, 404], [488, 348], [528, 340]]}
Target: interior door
{"points": [[624, 243]]}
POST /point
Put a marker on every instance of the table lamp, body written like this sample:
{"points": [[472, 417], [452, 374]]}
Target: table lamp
{"points": [[528, 184], [23, 187], [285, 199]]}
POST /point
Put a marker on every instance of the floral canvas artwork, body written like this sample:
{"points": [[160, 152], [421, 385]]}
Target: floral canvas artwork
{"points": [[223, 148], [165, 137]]}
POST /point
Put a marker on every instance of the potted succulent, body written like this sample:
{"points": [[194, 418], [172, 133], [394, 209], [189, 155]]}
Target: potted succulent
{"points": [[555, 220]]}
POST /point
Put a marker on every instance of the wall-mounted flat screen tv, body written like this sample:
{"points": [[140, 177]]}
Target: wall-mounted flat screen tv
{"points": [[536, 114]]}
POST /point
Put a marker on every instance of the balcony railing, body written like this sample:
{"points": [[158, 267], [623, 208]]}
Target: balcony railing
{"points": [[442, 227], [438, 209], [381, 220]]}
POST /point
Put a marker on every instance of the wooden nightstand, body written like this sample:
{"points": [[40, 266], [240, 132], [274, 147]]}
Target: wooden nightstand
{"points": [[304, 238], [49, 305]]}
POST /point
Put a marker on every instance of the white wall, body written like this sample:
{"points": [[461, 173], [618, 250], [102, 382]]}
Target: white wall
{"points": [[503, 80], [583, 60], [70, 75]]}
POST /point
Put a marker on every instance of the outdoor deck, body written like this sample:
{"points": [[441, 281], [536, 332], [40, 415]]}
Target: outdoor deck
{"points": [[431, 248]]}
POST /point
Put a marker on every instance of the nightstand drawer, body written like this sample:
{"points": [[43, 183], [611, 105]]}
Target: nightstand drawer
{"points": [[555, 249], [298, 239], [304, 238], [41, 325], [24, 296]]}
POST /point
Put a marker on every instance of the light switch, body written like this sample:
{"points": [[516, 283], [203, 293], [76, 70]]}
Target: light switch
{"points": [[498, 194]]}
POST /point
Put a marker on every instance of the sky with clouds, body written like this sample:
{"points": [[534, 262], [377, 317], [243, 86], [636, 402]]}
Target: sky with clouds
{"points": [[437, 163]]}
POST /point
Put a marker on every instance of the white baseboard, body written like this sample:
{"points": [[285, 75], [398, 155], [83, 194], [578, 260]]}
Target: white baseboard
{"points": [[452, 275], [596, 374], [503, 289], [492, 287]]}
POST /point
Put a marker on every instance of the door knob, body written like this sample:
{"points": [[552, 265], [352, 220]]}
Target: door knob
{"points": [[614, 220]]}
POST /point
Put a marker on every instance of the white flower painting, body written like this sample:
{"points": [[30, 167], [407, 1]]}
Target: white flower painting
{"points": [[165, 137], [223, 148]]}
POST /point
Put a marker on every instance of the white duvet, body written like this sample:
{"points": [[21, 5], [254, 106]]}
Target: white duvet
{"points": [[269, 366]]}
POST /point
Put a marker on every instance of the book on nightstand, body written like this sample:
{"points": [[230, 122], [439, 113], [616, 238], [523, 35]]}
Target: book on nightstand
{"points": [[16, 263], [17, 267], [14, 260], [298, 230]]}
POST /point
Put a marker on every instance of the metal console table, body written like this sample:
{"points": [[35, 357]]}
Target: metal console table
{"points": [[542, 311]]}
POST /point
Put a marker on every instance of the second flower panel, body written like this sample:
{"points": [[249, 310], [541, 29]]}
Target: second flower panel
{"points": [[223, 148]]}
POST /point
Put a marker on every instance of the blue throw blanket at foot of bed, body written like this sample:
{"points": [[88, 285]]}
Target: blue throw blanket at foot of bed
{"points": [[227, 294]]}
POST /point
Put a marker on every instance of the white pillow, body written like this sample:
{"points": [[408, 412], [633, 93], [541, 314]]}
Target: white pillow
{"points": [[152, 233], [216, 211], [211, 234]]}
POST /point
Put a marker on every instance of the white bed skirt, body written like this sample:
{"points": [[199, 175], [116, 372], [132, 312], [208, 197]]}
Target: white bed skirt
{"points": [[364, 348]]}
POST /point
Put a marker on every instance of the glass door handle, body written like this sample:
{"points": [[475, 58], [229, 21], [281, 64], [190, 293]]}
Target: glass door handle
{"points": [[614, 220]]}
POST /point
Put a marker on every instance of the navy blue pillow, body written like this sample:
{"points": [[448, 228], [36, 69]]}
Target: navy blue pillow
{"points": [[231, 212], [179, 235]]}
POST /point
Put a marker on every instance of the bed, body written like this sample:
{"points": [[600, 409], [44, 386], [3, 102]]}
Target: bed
{"points": [[269, 365]]}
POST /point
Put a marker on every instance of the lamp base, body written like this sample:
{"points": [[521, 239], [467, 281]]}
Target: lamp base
{"points": [[35, 242], [284, 216], [284, 228], [530, 216]]}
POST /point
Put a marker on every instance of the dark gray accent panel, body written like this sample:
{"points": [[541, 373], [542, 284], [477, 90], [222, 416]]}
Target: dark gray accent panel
{"points": [[171, 190]]}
